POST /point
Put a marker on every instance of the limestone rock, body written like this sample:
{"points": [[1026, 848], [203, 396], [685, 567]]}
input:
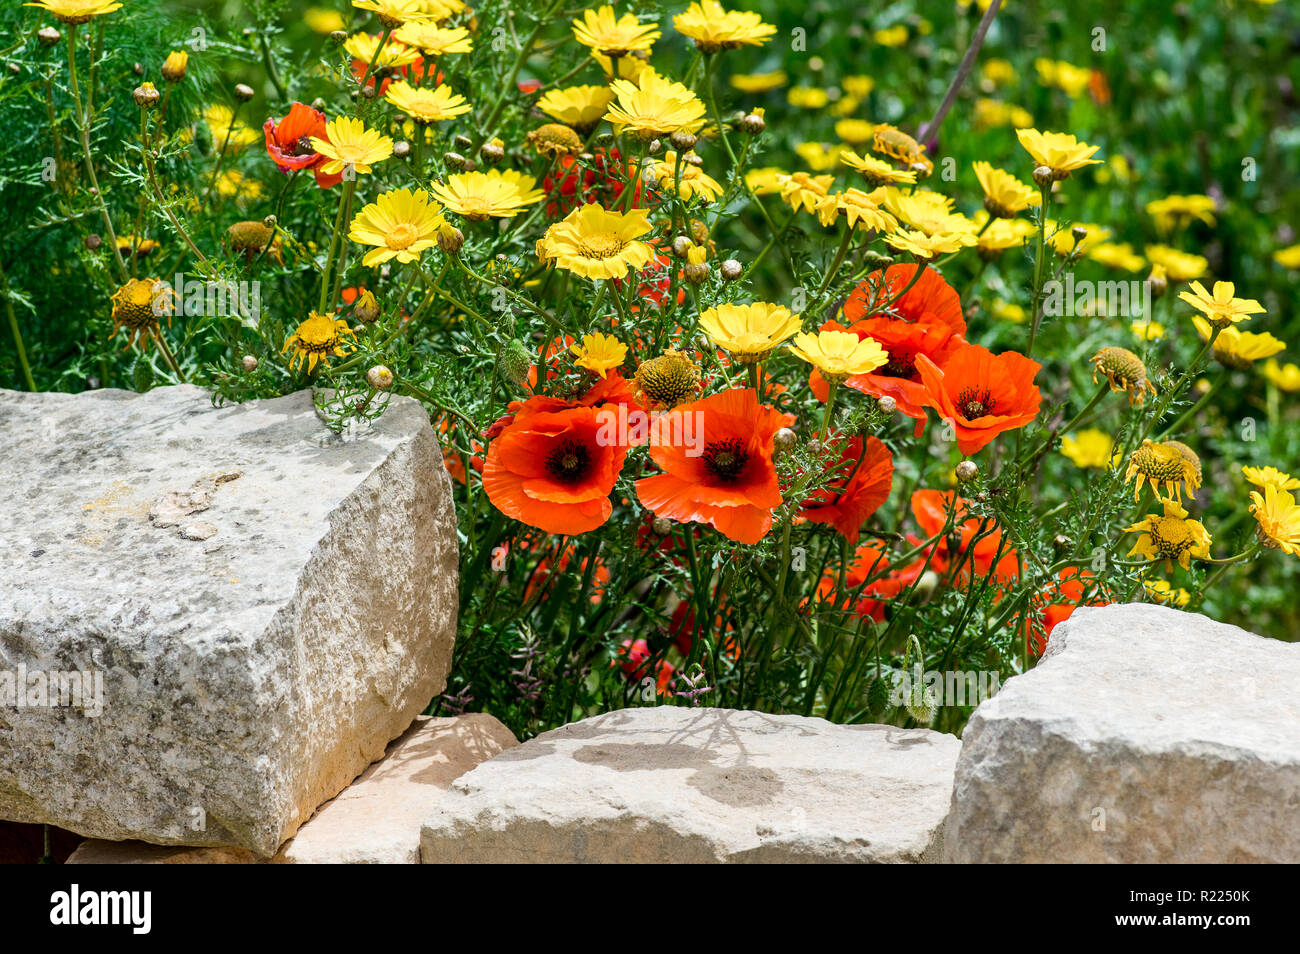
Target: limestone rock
{"points": [[375, 820], [1145, 735], [248, 677], [675, 784]]}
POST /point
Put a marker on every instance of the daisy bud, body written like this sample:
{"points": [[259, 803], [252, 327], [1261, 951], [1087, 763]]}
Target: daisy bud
{"points": [[492, 152], [146, 96], [136, 68], [243, 92], [173, 68], [784, 439], [967, 471], [1158, 281], [730, 270], [752, 124], [1043, 176], [339, 36], [662, 526], [318, 104], [696, 270], [367, 308], [93, 242], [368, 93], [681, 245], [887, 404], [682, 141], [48, 36], [876, 259], [380, 378], [655, 147], [250, 363], [454, 160], [1079, 232], [450, 239], [401, 149]]}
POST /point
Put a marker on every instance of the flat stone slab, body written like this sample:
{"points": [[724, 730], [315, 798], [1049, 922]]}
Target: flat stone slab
{"points": [[375, 820], [263, 604], [668, 784], [1145, 735]]}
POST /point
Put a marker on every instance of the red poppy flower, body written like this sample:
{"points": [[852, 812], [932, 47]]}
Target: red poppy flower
{"points": [[860, 483], [601, 179], [930, 301], [1058, 602], [554, 468], [981, 393], [870, 562], [972, 541], [635, 657], [730, 481], [288, 143], [681, 627]]}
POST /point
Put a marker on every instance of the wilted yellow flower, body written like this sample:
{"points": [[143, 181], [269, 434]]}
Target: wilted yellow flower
{"points": [[594, 242], [654, 107], [1124, 371], [1004, 194], [1178, 266], [749, 332], [1060, 152], [599, 353], [1270, 477], [713, 28], [317, 339], [1170, 536], [839, 354], [555, 139], [891, 141], [578, 106], [426, 105], [1163, 465], [1090, 448], [76, 11], [1162, 591], [1221, 308], [138, 305], [877, 172], [497, 193], [860, 209], [668, 380], [1175, 211], [400, 224], [1278, 519], [351, 144], [1286, 377], [604, 33]]}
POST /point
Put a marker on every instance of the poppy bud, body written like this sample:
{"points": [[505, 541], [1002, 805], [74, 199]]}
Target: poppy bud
{"points": [[514, 363]]}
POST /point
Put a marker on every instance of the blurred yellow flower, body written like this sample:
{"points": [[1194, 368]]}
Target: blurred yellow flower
{"points": [[895, 35], [1178, 266], [819, 157], [1118, 255], [76, 11], [807, 97], [1176, 211], [1090, 448], [1288, 257], [1286, 377], [759, 82], [1147, 330], [1239, 349], [855, 132]]}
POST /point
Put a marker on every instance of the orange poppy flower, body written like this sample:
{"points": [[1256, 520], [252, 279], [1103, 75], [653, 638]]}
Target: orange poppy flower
{"points": [[288, 143], [731, 482], [972, 542], [553, 468], [980, 393], [930, 301], [860, 482], [903, 341], [871, 562]]}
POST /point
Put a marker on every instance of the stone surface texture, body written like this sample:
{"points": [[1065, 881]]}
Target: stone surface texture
{"points": [[375, 820], [1145, 734], [269, 605], [675, 784]]}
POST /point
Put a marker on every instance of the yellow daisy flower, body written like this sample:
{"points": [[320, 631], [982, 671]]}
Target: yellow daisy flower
{"points": [[400, 224], [1090, 448], [580, 107], [426, 105], [928, 247], [1162, 465], [1239, 349], [877, 172], [749, 332], [362, 46], [999, 235], [860, 209], [1278, 516], [555, 139], [654, 107], [234, 136], [714, 29], [1117, 255], [1170, 536], [1176, 211], [599, 353], [434, 40], [1004, 194], [138, 305], [76, 11], [839, 354], [594, 242], [352, 145], [1162, 591], [1060, 152], [1270, 476], [759, 82], [928, 212], [1285, 376], [765, 181], [691, 179], [1178, 266], [1221, 308], [604, 33], [393, 13], [497, 193], [1061, 237], [316, 340], [799, 190]]}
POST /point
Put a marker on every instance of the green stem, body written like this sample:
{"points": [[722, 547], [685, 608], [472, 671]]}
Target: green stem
{"points": [[17, 332]]}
